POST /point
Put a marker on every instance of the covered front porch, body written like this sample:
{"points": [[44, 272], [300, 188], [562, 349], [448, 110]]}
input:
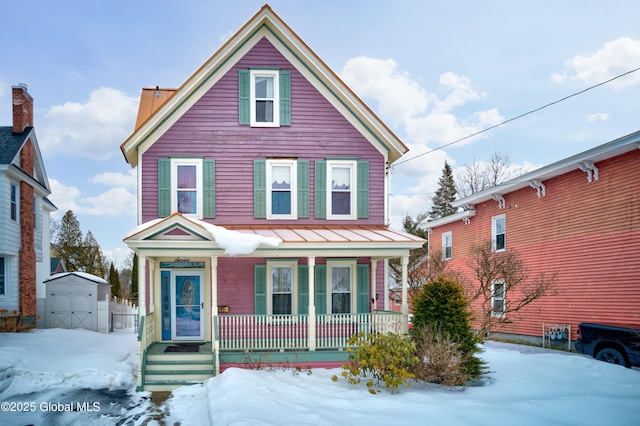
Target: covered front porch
{"points": [[228, 315]]}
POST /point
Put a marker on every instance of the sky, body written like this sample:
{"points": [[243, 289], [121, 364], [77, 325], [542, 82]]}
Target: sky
{"points": [[433, 71], [50, 368]]}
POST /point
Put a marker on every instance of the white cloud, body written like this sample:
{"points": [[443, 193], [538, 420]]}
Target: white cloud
{"points": [[615, 58], [116, 179], [599, 116], [115, 202], [403, 102], [94, 129]]}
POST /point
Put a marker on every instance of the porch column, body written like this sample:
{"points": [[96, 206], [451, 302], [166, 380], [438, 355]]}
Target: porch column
{"points": [[152, 290], [311, 264], [142, 312], [405, 303], [374, 284], [215, 341]]}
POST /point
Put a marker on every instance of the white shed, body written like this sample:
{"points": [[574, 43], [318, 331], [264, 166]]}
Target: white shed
{"points": [[72, 300]]}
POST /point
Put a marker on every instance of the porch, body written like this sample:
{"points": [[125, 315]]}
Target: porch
{"points": [[254, 341]]}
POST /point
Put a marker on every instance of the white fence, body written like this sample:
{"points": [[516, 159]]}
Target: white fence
{"points": [[117, 314]]}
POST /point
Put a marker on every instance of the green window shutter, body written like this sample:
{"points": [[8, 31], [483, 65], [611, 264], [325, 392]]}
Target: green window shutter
{"points": [[303, 289], [320, 194], [321, 289], [303, 189], [260, 189], [209, 188], [244, 97], [260, 287], [285, 98], [164, 187], [362, 288], [363, 189]]}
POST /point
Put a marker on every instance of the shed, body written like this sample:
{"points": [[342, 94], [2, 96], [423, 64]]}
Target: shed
{"points": [[72, 300]]}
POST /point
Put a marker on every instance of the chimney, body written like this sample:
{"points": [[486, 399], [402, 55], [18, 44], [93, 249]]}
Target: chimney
{"points": [[22, 108]]}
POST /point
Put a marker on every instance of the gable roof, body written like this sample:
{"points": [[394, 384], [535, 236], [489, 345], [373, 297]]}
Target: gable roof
{"points": [[10, 146], [583, 161], [264, 24]]}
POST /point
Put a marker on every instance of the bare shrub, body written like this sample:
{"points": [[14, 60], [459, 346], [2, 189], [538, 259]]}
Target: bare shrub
{"points": [[441, 360]]}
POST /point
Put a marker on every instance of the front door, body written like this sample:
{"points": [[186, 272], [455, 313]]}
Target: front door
{"points": [[187, 306]]}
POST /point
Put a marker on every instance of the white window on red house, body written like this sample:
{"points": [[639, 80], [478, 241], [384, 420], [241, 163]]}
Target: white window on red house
{"points": [[497, 298], [498, 233], [447, 245]]}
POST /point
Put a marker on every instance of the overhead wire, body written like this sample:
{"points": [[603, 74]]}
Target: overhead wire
{"points": [[517, 117]]}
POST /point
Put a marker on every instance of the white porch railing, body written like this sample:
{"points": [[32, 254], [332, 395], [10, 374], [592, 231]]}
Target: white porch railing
{"points": [[282, 332]]}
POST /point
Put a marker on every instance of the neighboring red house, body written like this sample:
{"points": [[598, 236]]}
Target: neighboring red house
{"points": [[263, 198], [579, 217]]}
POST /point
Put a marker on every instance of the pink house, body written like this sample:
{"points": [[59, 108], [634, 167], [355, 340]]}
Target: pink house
{"points": [[262, 210], [578, 218]]}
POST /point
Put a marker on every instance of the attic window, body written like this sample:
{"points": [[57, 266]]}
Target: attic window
{"points": [[264, 97]]}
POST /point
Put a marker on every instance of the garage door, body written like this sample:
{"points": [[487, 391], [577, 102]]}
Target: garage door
{"points": [[71, 310]]}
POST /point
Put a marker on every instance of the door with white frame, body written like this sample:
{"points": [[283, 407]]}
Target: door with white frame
{"points": [[187, 305]]}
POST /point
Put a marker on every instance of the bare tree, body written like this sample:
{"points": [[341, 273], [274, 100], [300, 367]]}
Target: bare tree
{"points": [[482, 175], [415, 271], [503, 285]]}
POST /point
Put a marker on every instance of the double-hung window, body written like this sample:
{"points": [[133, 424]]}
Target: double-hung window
{"points": [[498, 233], [341, 189], [265, 105], [264, 97], [281, 297], [341, 196], [497, 299], [341, 281], [447, 245], [3, 277], [281, 189], [186, 186], [14, 202]]}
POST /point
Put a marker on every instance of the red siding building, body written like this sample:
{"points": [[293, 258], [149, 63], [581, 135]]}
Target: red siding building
{"points": [[579, 218]]}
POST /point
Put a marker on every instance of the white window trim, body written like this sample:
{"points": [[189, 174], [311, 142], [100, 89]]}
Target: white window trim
{"points": [[17, 202], [503, 299], [6, 271], [494, 221], [444, 245], [294, 284], [352, 265], [276, 97], [175, 162], [353, 185], [294, 189]]}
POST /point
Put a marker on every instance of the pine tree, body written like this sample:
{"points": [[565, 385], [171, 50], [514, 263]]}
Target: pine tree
{"points": [[93, 261], [114, 280], [134, 277], [444, 196], [69, 241]]}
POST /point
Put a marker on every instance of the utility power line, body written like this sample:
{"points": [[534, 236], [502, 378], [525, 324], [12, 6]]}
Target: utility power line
{"points": [[517, 117]]}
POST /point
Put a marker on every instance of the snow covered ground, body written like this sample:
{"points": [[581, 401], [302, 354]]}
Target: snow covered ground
{"points": [[78, 377]]}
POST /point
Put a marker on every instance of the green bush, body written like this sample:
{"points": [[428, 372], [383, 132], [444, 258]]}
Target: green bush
{"points": [[385, 358], [442, 306]]}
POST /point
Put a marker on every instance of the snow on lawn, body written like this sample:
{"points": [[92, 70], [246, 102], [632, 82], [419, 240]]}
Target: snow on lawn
{"points": [[526, 386]]}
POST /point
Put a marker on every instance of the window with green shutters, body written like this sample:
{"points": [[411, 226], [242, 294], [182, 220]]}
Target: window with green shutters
{"points": [[341, 189], [280, 189], [187, 186], [264, 97]]}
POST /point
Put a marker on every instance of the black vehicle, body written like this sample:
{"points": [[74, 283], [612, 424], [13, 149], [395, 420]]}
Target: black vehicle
{"points": [[614, 344]]}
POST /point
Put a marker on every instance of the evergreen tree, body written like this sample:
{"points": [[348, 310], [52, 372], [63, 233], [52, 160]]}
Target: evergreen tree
{"points": [[444, 196], [93, 261], [68, 241], [114, 280], [416, 256], [442, 305], [134, 277]]}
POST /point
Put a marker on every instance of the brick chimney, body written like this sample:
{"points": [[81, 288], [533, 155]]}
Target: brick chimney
{"points": [[22, 108]]}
